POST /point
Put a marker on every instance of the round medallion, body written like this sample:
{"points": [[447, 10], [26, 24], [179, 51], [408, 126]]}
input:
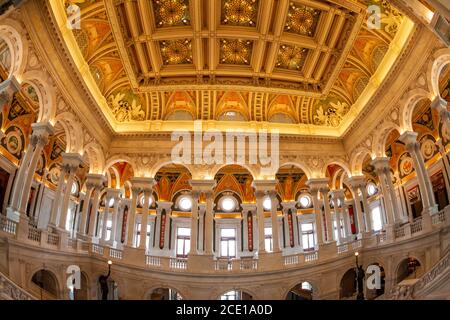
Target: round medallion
{"points": [[406, 166], [428, 148]]}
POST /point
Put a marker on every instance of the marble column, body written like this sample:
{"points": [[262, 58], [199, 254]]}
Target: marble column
{"points": [[7, 90], [430, 206], [201, 227], [274, 219], [41, 132], [73, 161], [194, 222], [148, 189], [105, 215], [260, 219], [115, 216], [54, 215], [382, 169], [94, 213], [315, 187], [338, 197], [440, 105], [131, 218], [326, 205], [358, 183], [209, 222], [87, 200], [367, 213]]}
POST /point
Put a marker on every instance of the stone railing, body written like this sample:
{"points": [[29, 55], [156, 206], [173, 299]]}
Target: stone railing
{"points": [[153, 261], [115, 254], [10, 291], [438, 218], [419, 287], [342, 248], [33, 236], [178, 263], [98, 249], [416, 226], [400, 231], [7, 225], [53, 239]]}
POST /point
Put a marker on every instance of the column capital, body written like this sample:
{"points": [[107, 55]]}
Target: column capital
{"points": [[248, 207], [357, 182], [439, 104], [289, 205], [264, 185], [72, 160], [164, 205], [202, 185], [338, 194], [42, 129], [96, 180], [316, 185], [409, 138], [381, 164], [143, 183], [113, 193]]}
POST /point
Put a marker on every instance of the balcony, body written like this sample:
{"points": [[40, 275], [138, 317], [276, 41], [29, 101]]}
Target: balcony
{"points": [[199, 263]]}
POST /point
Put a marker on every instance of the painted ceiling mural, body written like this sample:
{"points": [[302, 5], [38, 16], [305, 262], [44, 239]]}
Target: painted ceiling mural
{"points": [[170, 60]]}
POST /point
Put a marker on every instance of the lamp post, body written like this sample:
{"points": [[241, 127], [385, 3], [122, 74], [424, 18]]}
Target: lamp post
{"points": [[359, 279], [103, 280]]}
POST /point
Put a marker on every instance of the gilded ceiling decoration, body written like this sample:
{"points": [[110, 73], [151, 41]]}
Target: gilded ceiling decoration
{"points": [[302, 62], [239, 12], [236, 51], [291, 57], [302, 19], [170, 13], [176, 51]]}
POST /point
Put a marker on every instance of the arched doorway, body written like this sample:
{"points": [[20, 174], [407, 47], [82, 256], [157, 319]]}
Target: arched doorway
{"points": [[236, 295], [302, 291], [347, 287], [165, 294], [45, 285], [409, 268]]}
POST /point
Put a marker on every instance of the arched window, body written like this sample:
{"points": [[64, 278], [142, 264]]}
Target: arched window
{"points": [[371, 189], [305, 201]]}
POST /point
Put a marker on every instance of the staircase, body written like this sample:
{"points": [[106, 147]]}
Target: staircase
{"points": [[433, 285], [11, 291]]}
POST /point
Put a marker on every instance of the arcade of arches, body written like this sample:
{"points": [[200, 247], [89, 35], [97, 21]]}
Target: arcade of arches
{"points": [[358, 178]]}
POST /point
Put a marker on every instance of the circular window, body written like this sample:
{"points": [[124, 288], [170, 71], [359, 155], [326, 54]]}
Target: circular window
{"points": [[305, 201], [74, 189], [372, 189], [227, 204], [111, 202], [185, 203], [150, 201], [267, 204]]}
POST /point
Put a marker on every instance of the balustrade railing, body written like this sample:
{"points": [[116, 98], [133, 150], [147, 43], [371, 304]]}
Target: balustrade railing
{"points": [[356, 244], [97, 249], [381, 237], [416, 226], [313, 256], [438, 218], [72, 243], [248, 264], [53, 239], [116, 254], [7, 225], [291, 260], [153, 261], [223, 264], [34, 234], [178, 263], [342, 248], [400, 231]]}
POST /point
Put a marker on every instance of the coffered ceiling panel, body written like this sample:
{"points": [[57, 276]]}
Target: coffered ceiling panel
{"points": [[298, 62]]}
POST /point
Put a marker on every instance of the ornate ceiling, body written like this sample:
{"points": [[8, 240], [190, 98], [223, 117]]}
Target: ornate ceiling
{"points": [[303, 62]]}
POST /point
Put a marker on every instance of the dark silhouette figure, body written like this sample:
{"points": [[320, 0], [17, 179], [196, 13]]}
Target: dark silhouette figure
{"points": [[103, 280], [360, 274]]}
